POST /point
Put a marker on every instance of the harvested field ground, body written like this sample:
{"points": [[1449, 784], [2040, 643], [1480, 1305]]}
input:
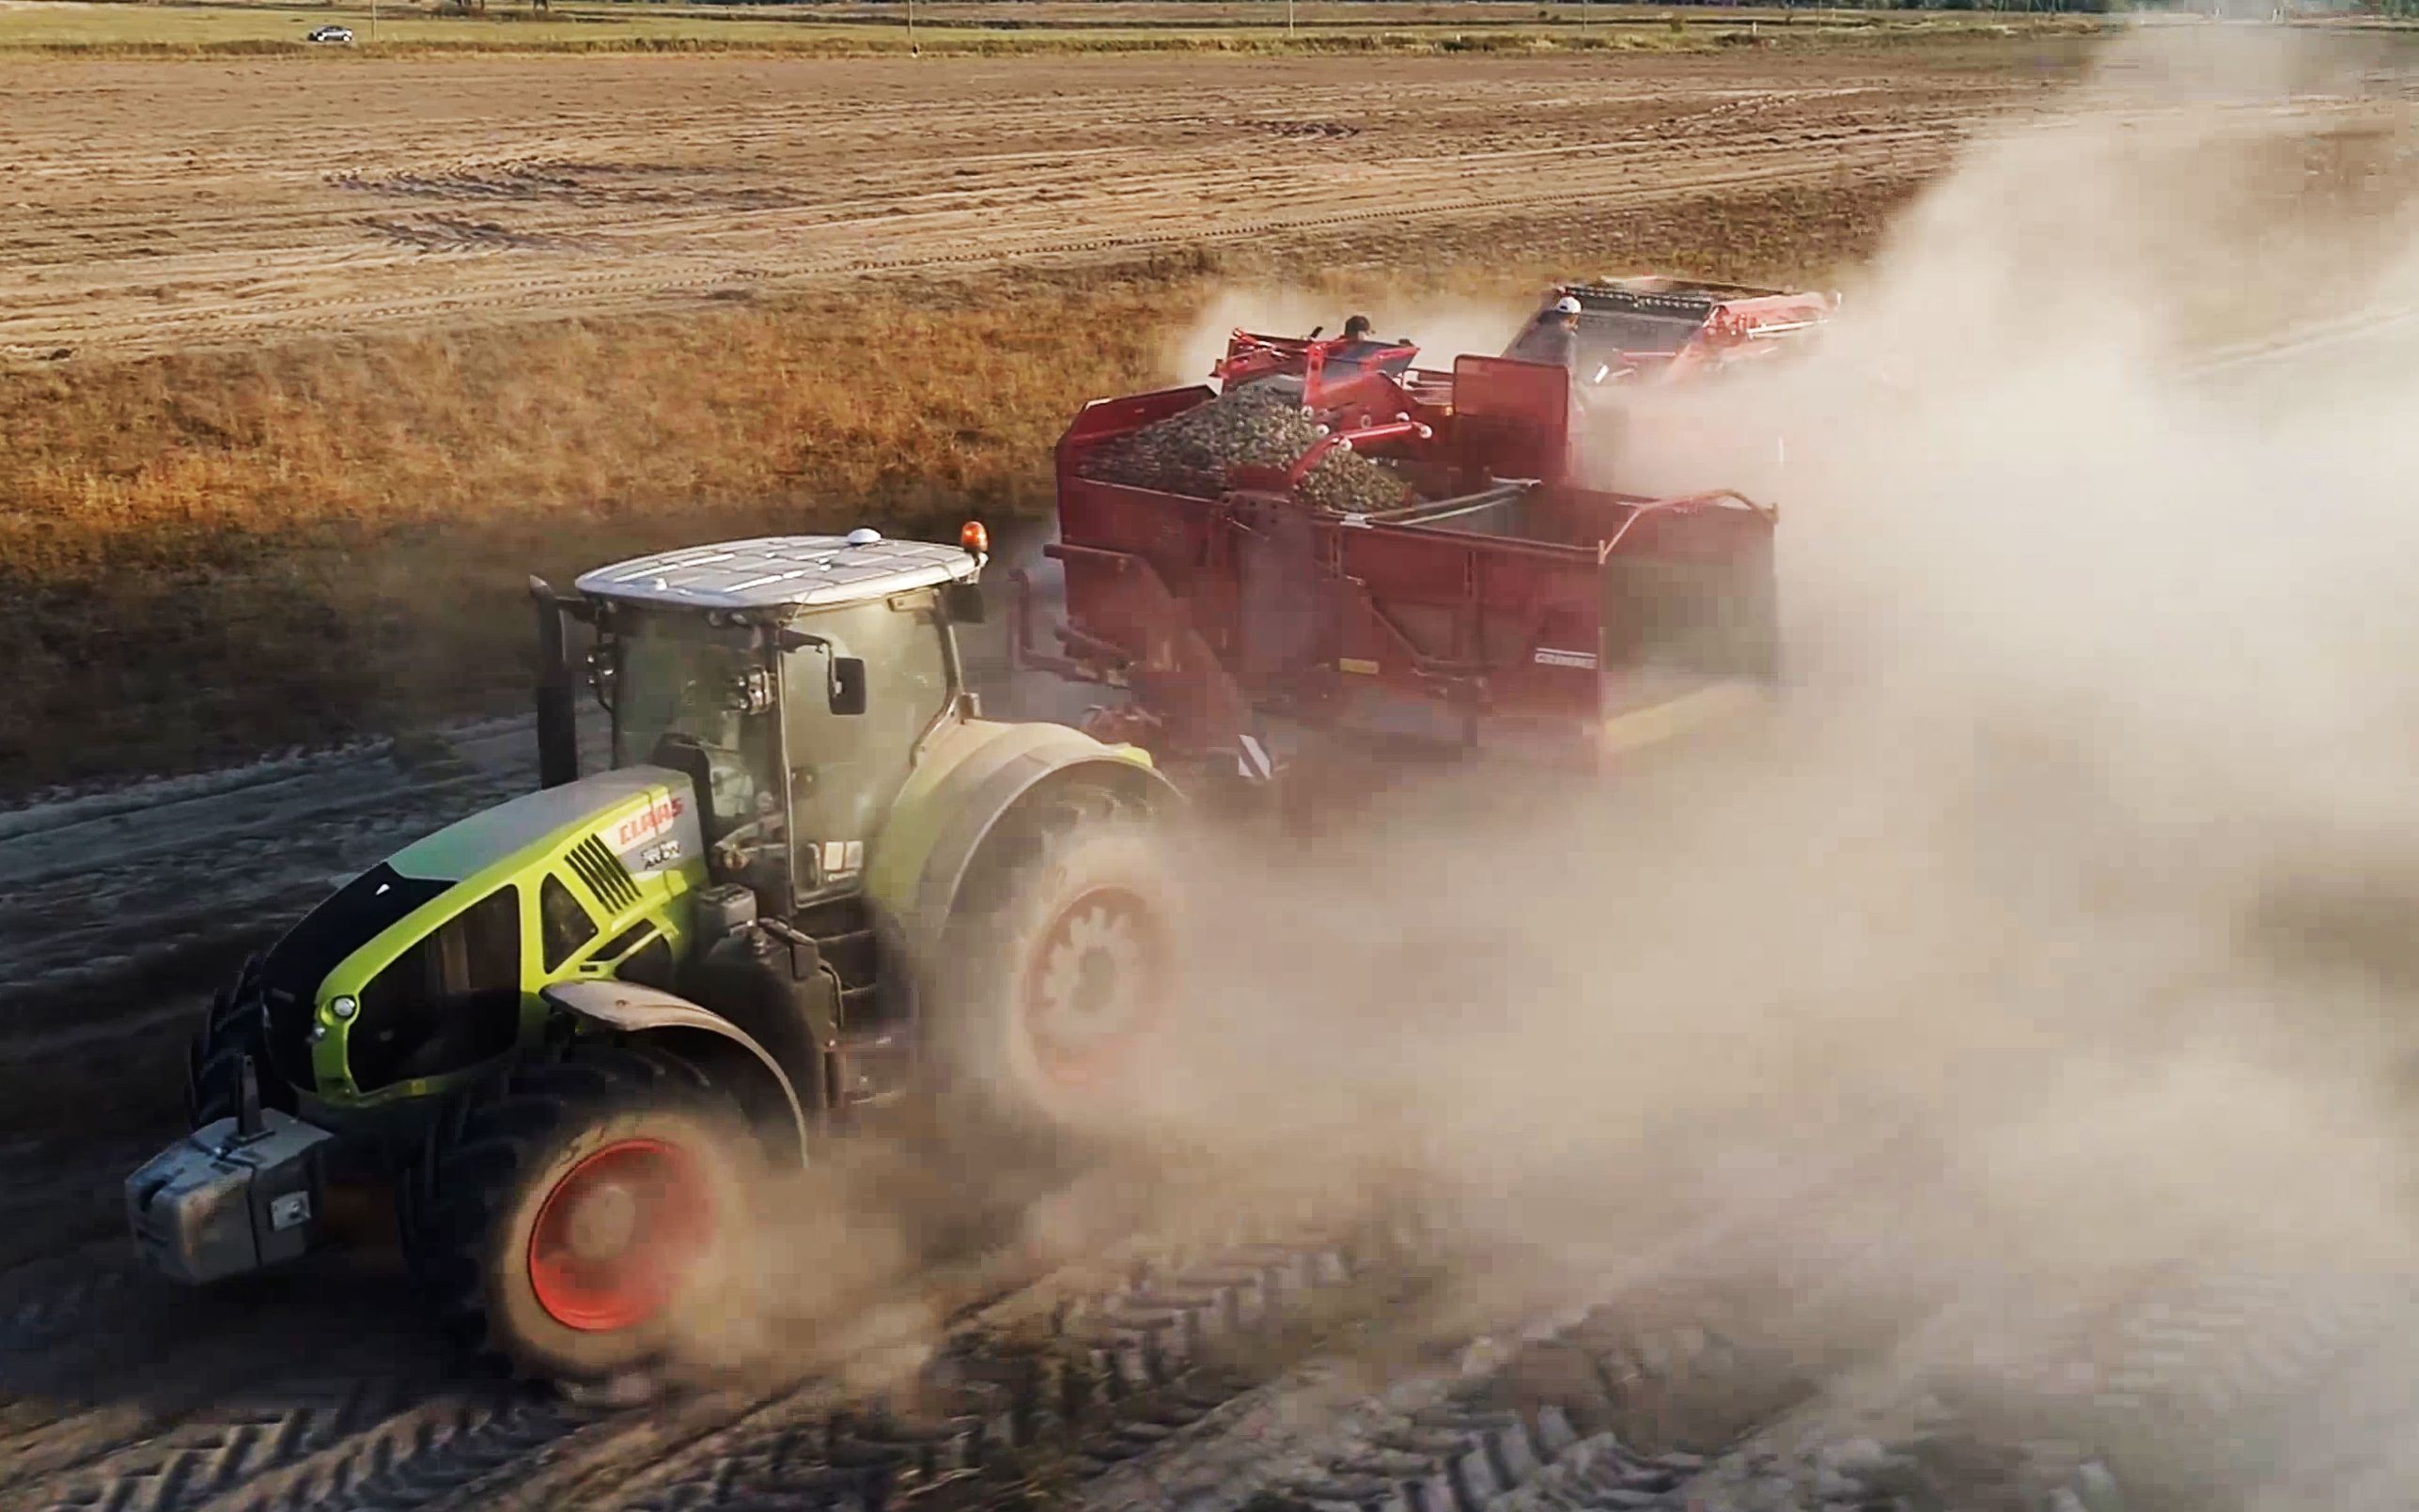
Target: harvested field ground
{"points": [[161, 208], [960, 26]]}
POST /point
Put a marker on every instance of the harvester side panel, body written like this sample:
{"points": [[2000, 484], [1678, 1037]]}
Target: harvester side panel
{"points": [[1284, 610], [1182, 539], [1688, 585], [1511, 418], [1505, 625]]}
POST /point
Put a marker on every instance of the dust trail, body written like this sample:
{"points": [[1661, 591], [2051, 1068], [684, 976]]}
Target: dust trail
{"points": [[2087, 839]]}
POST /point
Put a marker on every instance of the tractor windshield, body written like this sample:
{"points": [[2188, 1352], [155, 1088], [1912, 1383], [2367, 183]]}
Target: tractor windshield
{"points": [[672, 674]]}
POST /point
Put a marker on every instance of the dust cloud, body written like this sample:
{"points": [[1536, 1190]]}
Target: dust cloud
{"points": [[2070, 891], [2064, 903], [855, 1270]]}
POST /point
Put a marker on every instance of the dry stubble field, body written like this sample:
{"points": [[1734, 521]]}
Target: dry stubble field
{"points": [[303, 361]]}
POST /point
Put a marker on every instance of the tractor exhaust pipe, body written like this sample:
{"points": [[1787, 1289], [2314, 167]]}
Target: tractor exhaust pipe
{"points": [[558, 736]]}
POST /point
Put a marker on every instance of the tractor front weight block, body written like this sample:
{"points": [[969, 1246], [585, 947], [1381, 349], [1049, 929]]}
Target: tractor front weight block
{"points": [[223, 1200]]}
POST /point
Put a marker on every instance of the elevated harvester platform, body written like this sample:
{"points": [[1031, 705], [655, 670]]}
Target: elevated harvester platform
{"points": [[1668, 331]]}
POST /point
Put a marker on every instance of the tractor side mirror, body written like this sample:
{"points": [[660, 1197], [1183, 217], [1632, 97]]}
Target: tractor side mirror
{"points": [[848, 685], [964, 603]]}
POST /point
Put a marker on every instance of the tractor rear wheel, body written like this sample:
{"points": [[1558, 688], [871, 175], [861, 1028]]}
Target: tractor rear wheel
{"points": [[563, 1213], [1066, 974]]}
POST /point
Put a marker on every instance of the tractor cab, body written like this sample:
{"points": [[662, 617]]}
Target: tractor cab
{"points": [[747, 666]]}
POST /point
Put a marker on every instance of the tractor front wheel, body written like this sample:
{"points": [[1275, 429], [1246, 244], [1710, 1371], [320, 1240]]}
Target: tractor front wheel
{"points": [[1068, 979], [562, 1214], [234, 1028]]}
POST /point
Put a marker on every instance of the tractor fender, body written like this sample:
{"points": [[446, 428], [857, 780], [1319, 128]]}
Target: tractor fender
{"points": [[633, 1009], [971, 778]]}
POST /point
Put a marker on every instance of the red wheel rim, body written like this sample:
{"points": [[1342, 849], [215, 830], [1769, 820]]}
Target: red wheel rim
{"points": [[617, 1234], [1096, 987]]}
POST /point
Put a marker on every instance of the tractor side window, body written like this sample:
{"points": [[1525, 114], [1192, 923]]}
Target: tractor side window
{"points": [[450, 1000], [844, 768], [564, 921]]}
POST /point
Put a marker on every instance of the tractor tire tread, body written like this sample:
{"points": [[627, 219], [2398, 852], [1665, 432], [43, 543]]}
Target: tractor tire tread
{"points": [[450, 1197], [231, 1030]]}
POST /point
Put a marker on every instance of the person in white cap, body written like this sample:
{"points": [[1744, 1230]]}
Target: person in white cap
{"points": [[1557, 340]]}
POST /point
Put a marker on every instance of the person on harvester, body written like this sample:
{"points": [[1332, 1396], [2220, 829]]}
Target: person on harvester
{"points": [[1557, 340], [1357, 347]]}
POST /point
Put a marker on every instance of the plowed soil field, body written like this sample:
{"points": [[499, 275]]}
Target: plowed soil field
{"points": [[159, 205]]}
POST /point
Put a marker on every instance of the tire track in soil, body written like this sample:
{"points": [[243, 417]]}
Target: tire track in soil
{"points": [[168, 1395], [1718, 1388], [229, 1445], [2187, 1389], [1014, 1387], [376, 1439], [1688, 1341]]}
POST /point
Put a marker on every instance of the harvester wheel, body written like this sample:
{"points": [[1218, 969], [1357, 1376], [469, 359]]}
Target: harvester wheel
{"points": [[563, 1213], [235, 1026], [1067, 974]]}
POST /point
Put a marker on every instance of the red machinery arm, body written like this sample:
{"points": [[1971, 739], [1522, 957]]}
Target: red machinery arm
{"points": [[1685, 504], [1286, 478], [1349, 439]]}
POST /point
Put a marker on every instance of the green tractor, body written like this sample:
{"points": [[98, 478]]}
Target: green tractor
{"points": [[813, 881]]}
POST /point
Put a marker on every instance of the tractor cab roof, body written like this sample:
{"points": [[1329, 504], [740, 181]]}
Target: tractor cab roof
{"points": [[780, 572]]}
